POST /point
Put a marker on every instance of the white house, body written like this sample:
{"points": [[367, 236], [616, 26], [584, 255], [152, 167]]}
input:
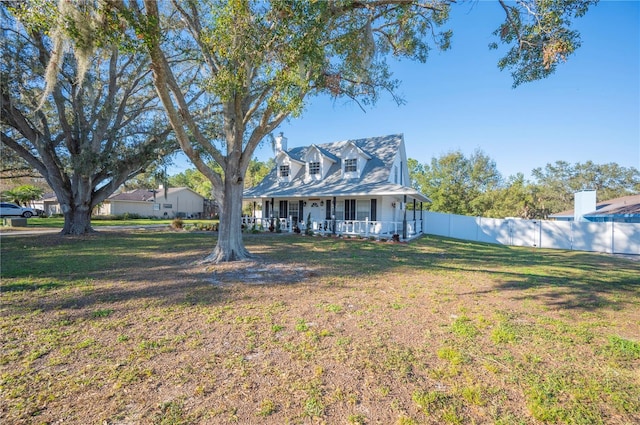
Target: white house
{"points": [[358, 187], [48, 203], [169, 203]]}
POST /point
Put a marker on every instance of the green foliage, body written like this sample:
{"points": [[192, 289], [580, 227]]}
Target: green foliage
{"points": [[454, 182], [473, 186], [539, 35], [556, 183], [267, 408], [92, 106], [302, 326], [622, 349], [23, 195], [102, 313], [464, 327]]}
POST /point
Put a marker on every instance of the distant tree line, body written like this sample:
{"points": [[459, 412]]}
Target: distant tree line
{"points": [[472, 185]]}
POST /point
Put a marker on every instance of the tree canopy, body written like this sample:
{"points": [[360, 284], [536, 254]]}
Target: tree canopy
{"points": [[98, 124], [23, 195], [473, 186]]}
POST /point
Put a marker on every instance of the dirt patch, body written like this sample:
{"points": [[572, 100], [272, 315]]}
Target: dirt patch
{"points": [[257, 272]]}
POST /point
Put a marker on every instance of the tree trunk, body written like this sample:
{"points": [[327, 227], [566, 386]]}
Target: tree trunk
{"points": [[77, 220], [230, 246]]}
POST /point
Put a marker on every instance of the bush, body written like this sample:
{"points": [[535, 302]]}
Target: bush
{"points": [[177, 224]]}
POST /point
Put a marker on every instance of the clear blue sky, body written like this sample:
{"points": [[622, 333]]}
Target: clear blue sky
{"points": [[459, 99]]}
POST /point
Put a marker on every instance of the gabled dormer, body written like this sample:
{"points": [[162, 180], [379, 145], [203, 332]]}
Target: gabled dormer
{"points": [[354, 159], [287, 167], [317, 163]]}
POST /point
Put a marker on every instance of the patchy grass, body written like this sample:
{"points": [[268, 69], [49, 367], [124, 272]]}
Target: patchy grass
{"points": [[124, 327]]}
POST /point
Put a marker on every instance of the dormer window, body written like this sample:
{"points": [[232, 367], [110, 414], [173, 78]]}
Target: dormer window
{"points": [[284, 171], [314, 168], [350, 165]]}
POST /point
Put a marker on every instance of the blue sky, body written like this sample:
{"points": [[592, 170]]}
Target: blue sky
{"points": [[459, 99]]}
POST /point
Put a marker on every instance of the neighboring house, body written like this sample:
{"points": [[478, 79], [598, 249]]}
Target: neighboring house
{"points": [[172, 202], [358, 187], [621, 210], [179, 202], [48, 203]]}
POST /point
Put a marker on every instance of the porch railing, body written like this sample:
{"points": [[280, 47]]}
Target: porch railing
{"points": [[362, 228]]}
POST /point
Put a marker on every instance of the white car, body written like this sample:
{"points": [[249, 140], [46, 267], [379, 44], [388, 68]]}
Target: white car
{"points": [[7, 208]]}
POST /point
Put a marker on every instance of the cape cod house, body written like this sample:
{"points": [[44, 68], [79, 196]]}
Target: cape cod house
{"points": [[354, 187]]}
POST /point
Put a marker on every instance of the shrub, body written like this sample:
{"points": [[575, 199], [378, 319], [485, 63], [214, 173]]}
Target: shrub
{"points": [[177, 223]]}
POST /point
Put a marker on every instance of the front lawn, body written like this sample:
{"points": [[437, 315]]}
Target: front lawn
{"points": [[127, 327], [58, 222]]}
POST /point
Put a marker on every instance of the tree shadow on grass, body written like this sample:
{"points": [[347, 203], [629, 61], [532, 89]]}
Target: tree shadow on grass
{"points": [[559, 279], [161, 269]]}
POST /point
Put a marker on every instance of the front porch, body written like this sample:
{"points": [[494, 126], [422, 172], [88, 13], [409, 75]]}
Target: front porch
{"points": [[406, 229]]}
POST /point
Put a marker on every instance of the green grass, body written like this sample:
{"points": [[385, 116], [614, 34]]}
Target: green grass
{"points": [[58, 222], [434, 331]]}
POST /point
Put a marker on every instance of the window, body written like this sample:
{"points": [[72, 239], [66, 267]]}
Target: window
{"points": [[339, 210], [350, 165], [363, 208], [294, 211], [349, 209], [284, 171], [284, 210], [167, 206], [314, 168], [327, 213]]}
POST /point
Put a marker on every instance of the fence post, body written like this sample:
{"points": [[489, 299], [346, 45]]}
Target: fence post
{"points": [[613, 239]]}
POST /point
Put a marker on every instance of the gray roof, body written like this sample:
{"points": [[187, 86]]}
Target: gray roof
{"points": [[374, 179], [624, 206], [145, 195]]}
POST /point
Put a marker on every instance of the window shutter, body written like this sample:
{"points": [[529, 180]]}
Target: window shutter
{"points": [[374, 210]]}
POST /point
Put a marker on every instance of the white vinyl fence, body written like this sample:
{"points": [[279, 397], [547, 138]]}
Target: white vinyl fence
{"points": [[617, 238]]}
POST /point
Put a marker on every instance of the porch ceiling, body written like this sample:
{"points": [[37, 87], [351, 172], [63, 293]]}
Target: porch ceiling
{"points": [[312, 190]]}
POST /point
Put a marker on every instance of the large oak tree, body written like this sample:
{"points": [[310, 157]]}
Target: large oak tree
{"points": [[85, 134]]}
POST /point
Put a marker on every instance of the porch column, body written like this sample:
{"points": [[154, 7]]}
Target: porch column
{"points": [[333, 216], [273, 208], [415, 227], [421, 218], [254, 212], [404, 219]]}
